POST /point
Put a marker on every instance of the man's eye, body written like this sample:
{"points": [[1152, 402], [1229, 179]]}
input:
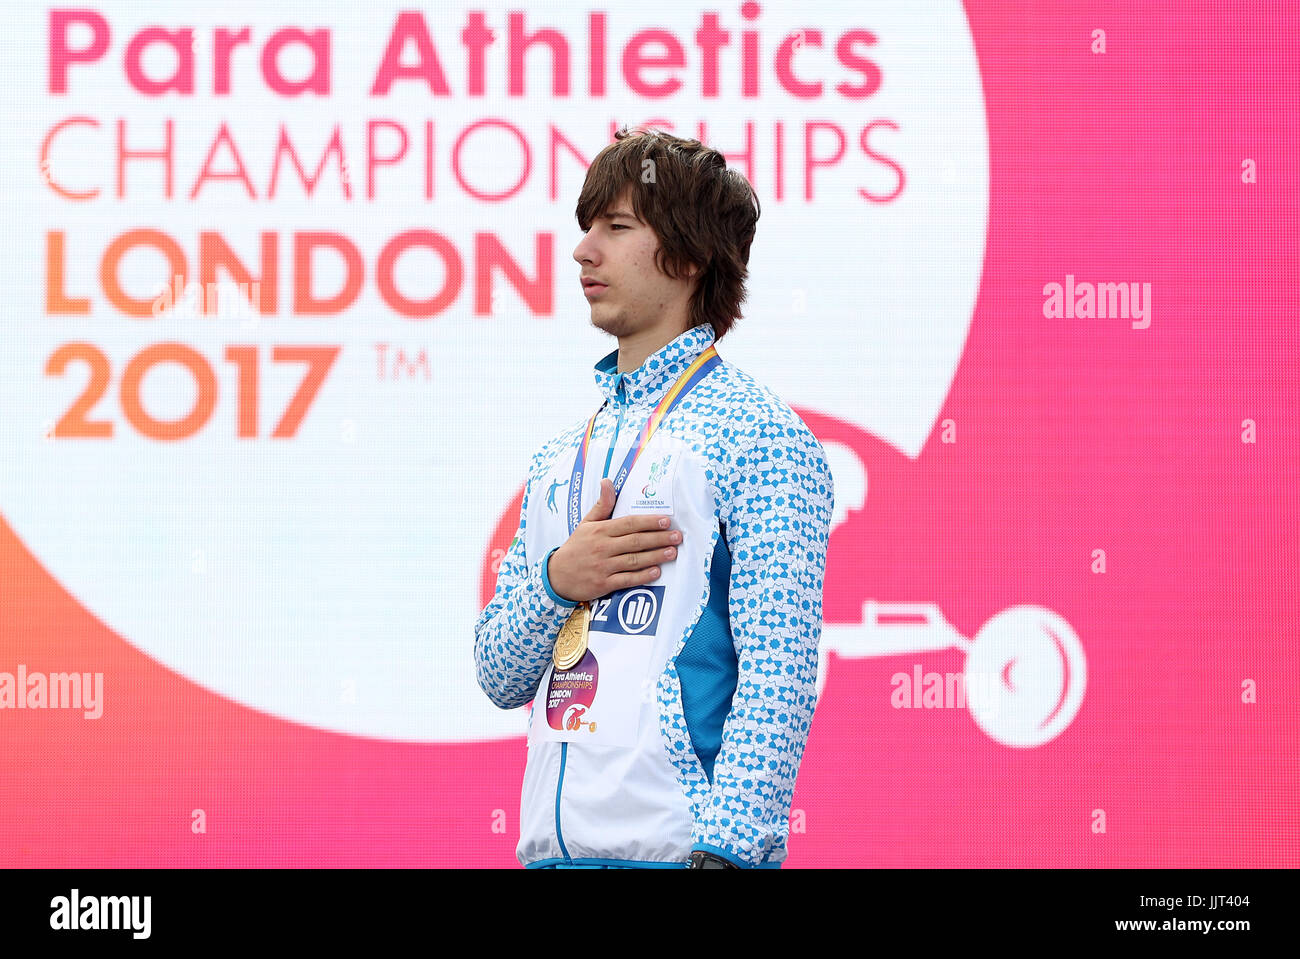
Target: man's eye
{"points": [[620, 226]]}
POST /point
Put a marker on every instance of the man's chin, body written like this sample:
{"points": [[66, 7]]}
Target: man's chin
{"points": [[605, 322]]}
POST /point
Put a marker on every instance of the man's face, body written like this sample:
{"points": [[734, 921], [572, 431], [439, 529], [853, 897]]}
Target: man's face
{"points": [[619, 251]]}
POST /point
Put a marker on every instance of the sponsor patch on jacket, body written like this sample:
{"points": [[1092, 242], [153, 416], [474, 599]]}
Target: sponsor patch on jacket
{"points": [[629, 612]]}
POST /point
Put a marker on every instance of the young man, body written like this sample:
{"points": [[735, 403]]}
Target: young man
{"points": [[661, 603]]}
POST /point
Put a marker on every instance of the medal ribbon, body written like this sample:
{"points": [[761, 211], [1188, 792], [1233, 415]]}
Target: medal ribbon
{"points": [[692, 375]]}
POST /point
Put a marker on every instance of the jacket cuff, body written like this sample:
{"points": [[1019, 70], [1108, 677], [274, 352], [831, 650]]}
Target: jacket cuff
{"points": [[546, 582]]}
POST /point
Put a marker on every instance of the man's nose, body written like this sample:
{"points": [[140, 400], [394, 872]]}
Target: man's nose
{"points": [[585, 250]]}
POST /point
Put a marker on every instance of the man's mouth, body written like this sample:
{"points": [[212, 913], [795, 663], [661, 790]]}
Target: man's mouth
{"points": [[593, 288]]}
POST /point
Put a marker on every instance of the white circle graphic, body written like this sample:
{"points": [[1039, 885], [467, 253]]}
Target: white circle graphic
{"points": [[331, 577]]}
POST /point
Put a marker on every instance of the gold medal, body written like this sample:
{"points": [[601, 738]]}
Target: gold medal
{"points": [[571, 644]]}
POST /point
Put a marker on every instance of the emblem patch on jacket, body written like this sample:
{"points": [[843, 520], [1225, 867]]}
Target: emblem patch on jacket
{"points": [[655, 495]]}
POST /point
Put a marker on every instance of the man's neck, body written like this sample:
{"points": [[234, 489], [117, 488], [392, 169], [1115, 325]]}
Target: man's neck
{"points": [[633, 349]]}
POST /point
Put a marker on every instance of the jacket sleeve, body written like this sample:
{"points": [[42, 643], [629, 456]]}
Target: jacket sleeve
{"points": [[778, 517], [516, 631]]}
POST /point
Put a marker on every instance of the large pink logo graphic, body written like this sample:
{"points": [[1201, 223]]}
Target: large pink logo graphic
{"points": [[1063, 545]]}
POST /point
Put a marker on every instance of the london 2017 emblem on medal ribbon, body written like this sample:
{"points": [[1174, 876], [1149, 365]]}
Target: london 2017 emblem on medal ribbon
{"points": [[570, 694]]}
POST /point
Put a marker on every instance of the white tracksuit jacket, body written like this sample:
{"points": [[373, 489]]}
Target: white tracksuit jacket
{"points": [[688, 731]]}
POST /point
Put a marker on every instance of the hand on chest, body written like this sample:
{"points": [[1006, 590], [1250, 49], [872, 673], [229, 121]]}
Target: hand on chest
{"points": [[631, 633]]}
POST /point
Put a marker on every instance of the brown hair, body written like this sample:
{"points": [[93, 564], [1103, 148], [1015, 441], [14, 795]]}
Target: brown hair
{"points": [[702, 213]]}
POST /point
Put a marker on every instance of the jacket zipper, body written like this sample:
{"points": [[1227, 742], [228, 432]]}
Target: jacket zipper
{"points": [[564, 747]]}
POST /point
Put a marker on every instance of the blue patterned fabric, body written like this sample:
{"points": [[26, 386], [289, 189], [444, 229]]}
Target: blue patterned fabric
{"points": [[773, 495]]}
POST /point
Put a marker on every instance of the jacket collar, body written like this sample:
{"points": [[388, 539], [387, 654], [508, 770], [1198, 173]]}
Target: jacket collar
{"points": [[654, 377]]}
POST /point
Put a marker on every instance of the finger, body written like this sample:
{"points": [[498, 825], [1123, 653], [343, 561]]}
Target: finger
{"points": [[643, 558], [637, 578], [638, 541], [603, 506], [640, 523]]}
